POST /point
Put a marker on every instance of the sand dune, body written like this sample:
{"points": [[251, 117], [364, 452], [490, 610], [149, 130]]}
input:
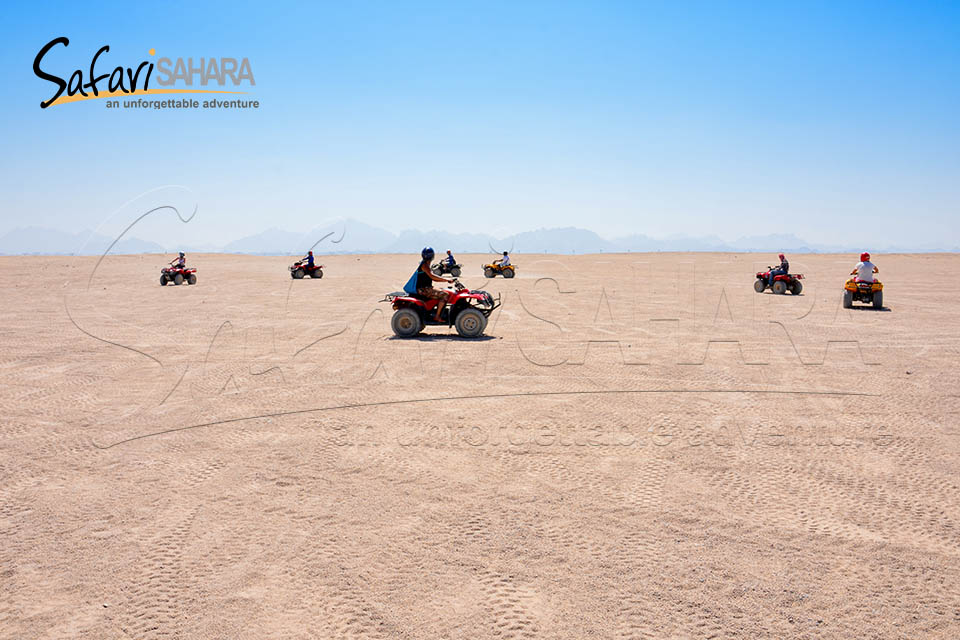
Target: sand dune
{"points": [[641, 447]]}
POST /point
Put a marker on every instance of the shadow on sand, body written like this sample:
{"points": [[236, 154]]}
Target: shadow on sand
{"points": [[428, 337]]}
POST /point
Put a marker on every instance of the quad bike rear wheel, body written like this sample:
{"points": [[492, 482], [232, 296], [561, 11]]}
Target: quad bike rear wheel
{"points": [[455, 272], [847, 299], [470, 323], [317, 274], [508, 273], [779, 287], [796, 287], [489, 272], [178, 279], [878, 300], [759, 285], [192, 279], [405, 323], [163, 280], [297, 274]]}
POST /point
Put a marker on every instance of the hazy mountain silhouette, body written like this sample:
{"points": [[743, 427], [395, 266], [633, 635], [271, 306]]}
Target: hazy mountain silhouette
{"points": [[352, 236]]}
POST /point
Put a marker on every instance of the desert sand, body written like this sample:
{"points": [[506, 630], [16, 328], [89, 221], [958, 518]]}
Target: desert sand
{"points": [[641, 447]]}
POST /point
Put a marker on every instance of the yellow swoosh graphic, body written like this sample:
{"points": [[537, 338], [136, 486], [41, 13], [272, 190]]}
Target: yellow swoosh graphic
{"points": [[120, 94]]}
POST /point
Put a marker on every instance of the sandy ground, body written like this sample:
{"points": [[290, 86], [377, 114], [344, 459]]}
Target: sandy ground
{"points": [[642, 447]]}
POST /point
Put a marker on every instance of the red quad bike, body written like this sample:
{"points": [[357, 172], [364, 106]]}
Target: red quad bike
{"points": [[177, 275], [467, 311], [301, 268], [781, 283]]}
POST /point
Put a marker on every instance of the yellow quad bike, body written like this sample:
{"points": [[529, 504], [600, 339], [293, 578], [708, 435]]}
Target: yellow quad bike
{"points": [[856, 290], [492, 270]]}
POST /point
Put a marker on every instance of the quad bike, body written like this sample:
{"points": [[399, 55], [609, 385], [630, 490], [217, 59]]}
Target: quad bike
{"points": [[300, 268], [442, 267], [857, 290], [492, 270], [177, 275], [781, 283], [467, 310]]}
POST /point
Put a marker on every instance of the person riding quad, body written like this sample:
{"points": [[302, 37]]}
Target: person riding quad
{"points": [[423, 279], [782, 270], [865, 269], [181, 261], [504, 261], [308, 259], [450, 260]]}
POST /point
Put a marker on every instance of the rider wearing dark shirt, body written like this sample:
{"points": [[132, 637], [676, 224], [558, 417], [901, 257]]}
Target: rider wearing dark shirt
{"points": [[425, 280], [783, 270]]}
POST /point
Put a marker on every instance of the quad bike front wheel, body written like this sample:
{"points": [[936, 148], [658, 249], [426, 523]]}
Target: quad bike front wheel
{"points": [[779, 287], [878, 300], [178, 279], [470, 323], [759, 285], [489, 272], [163, 280], [192, 279], [796, 287], [405, 323], [297, 274], [847, 299]]}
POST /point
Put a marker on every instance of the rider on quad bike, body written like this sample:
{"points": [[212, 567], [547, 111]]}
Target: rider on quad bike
{"points": [[422, 281], [865, 269], [308, 259], [782, 270], [181, 261], [450, 260], [504, 261], [863, 287]]}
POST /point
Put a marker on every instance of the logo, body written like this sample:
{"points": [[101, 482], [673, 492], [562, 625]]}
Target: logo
{"points": [[225, 75]]}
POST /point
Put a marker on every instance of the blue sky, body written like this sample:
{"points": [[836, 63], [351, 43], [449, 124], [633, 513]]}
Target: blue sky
{"points": [[624, 117]]}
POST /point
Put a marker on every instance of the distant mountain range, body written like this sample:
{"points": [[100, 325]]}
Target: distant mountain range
{"points": [[351, 236]]}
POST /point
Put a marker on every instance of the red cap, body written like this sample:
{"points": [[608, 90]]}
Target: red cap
{"points": [[864, 256], [780, 256]]}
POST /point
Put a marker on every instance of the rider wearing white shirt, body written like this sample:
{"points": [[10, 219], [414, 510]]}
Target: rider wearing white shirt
{"points": [[865, 269], [505, 261]]}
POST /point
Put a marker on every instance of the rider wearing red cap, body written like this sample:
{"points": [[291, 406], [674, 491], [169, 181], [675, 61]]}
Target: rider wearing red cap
{"points": [[865, 269], [782, 270]]}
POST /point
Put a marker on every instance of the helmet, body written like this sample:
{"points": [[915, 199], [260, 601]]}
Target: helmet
{"points": [[427, 253], [780, 256], [181, 254], [864, 257], [448, 250], [309, 253], [504, 253]]}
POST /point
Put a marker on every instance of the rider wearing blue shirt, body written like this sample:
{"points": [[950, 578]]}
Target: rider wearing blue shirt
{"points": [[450, 259]]}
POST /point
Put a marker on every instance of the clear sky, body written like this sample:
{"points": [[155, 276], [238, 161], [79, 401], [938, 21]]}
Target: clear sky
{"points": [[824, 119]]}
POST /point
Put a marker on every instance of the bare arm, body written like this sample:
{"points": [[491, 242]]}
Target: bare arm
{"points": [[433, 277]]}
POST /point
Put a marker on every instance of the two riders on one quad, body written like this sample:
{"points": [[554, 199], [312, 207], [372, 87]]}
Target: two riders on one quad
{"points": [[420, 304], [447, 265], [779, 279], [306, 266], [863, 287], [177, 272], [500, 267]]}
